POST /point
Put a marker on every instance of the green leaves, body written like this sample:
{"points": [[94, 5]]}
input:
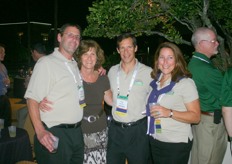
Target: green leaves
{"points": [[109, 18], [115, 17]]}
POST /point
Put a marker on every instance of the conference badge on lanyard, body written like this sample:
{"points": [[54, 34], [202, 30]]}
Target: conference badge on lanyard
{"points": [[81, 96], [157, 126], [121, 108]]}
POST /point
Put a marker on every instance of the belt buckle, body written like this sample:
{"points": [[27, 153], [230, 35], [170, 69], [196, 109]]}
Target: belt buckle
{"points": [[91, 119], [125, 125]]}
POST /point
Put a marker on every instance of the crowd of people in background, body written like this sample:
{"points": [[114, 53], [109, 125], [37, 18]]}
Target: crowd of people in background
{"points": [[174, 113], [5, 107]]}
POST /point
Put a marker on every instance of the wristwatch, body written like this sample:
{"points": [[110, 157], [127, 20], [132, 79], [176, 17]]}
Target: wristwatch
{"points": [[171, 113]]}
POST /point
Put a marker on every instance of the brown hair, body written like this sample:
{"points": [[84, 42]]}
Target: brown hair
{"points": [[65, 26], [123, 36], [180, 67], [84, 47]]}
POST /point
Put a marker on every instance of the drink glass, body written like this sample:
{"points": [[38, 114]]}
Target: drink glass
{"points": [[12, 131], [55, 144], [1, 123], [153, 104]]}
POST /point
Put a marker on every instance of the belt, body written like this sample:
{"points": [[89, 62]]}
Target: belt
{"points": [[207, 113], [128, 124], [93, 118], [67, 126]]}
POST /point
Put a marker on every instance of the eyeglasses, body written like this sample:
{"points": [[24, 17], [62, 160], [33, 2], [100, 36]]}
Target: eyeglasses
{"points": [[211, 41], [73, 36]]}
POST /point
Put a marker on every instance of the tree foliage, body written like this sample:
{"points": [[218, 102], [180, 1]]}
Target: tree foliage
{"points": [[109, 18]]}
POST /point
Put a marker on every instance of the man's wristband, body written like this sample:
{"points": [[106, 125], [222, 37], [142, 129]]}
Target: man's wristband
{"points": [[171, 113]]}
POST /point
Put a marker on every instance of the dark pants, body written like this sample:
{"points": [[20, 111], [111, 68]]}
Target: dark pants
{"points": [[70, 149], [129, 143], [171, 153], [5, 110]]}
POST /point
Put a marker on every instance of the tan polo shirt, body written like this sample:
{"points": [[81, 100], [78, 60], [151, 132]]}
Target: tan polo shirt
{"points": [[54, 77], [138, 94], [175, 131]]}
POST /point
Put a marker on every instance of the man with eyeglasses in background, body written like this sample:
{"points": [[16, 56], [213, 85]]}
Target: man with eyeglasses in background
{"points": [[209, 136], [57, 78]]}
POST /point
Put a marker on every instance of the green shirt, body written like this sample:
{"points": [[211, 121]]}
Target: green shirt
{"points": [[226, 94], [208, 80]]}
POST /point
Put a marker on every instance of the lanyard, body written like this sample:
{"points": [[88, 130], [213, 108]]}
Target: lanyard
{"points": [[200, 59], [156, 96], [131, 82], [74, 77], [80, 87]]}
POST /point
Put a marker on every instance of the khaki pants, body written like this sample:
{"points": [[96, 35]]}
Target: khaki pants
{"points": [[209, 142]]}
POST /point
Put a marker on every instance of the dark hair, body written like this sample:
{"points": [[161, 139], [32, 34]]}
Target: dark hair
{"points": [[62, 29], [125, 36], [39, 47], [84, 47], [180, 67]]}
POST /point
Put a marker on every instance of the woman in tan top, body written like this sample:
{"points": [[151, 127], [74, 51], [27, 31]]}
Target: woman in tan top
{"points": [[176, 107]]}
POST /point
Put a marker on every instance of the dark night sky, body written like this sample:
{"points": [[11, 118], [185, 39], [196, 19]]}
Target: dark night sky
{"points": [[73, 11], [43, 11], [15, 11]]}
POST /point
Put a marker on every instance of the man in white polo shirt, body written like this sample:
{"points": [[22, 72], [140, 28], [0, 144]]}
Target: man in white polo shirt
{"points": [[57, 78], [129, 83]]}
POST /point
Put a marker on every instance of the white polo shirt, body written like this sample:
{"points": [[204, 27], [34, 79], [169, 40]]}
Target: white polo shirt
{"points": [[54, 77], [184, 91], [138, 94]]}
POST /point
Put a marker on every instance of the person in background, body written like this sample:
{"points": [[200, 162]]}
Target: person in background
{"points": [[57, 77], [129, 81], [5, 107], [38, 50], [176, 106], [226, 101], [210, 139]]}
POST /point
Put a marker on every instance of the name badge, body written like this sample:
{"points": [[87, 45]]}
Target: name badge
{"points": [[157, 126], [81, 96], [121, 108]]}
